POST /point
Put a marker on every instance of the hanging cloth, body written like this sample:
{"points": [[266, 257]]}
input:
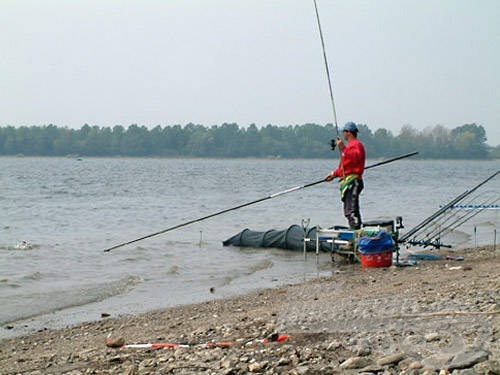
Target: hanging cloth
{"points": [[345, 182]]}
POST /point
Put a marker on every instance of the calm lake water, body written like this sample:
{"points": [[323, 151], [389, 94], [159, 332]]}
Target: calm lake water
{"points": [[69, 210]]}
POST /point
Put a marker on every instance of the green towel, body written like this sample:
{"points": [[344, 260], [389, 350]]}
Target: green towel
{"points": [[345, 182]]}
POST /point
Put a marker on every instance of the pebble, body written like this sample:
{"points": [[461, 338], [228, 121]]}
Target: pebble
{"points": [[115, 342], [390, 359], [354, 363], [416, 365], [434, 336], [468, 359]]}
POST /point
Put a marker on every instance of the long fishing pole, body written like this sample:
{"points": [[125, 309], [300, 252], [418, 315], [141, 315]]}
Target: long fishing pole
{"points": [[449, 221], [439, 224], [466, 218], [247, 204], [442, 230], [433, 238], [445, 208], [326, 68]]}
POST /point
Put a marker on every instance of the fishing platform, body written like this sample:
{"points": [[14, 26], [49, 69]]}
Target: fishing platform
{"points": [[374, 245], [378, 242]]}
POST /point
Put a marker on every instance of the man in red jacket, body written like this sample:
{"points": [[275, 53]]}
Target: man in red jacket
{"points": [[350, 173]]}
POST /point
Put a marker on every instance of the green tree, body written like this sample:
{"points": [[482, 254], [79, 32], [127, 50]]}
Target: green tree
{"points": [[383, 143], [469, 141]]}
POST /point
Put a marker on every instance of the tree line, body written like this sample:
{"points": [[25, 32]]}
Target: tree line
{"points": [[232, 141]]}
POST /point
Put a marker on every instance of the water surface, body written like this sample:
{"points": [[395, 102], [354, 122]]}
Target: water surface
{"points": [[69, 210]]}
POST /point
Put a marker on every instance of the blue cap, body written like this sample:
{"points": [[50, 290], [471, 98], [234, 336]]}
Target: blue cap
{"points": [[350, 127]]}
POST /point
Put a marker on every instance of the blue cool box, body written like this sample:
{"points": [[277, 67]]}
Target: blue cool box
{"points": [[380, 243]]}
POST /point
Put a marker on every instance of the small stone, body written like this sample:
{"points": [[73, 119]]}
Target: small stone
{"points": [[226, 363], [132, 370], [405, 363], [488, 367], [257, 367], [437, 361], [334, 345], [434, 336], [115, 343], [416, 365], [468, 359], [284, 361], [372, 368], [105, 315], [115, 359], [302, 370], [390, 359], [363, 351], [355, 362]]}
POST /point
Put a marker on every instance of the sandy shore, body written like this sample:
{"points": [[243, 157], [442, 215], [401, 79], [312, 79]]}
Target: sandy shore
{"points": [[438, 317]]}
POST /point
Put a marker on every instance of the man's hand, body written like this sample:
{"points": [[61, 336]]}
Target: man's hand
{"points": [[330, 176], [340, 144]]}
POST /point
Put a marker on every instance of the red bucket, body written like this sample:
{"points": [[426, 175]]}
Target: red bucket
{"points": [[377, 259]]}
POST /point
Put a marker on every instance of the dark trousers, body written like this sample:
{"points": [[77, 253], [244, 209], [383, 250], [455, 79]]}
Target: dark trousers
{"points": [[351, 204]]}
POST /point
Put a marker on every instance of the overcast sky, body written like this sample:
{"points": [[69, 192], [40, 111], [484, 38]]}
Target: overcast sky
{"points": [[166, 62]]}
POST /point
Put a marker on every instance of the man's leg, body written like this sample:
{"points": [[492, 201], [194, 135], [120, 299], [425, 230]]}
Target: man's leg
{"points": [[351, 204]]}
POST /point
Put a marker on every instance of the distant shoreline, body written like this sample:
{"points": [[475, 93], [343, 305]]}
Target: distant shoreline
{"points": [[271, 158]]}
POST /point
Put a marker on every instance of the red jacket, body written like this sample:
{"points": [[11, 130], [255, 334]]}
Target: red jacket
{"points": [[353, 160]]}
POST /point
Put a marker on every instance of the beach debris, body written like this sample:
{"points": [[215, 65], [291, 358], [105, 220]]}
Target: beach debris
{"points": [[453, 257], [105, 315], [120, 343], [465, 267], [425, 256], [406, 263]]}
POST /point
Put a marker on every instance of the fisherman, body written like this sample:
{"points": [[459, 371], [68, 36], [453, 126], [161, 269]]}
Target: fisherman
{"points": [[350, 173]]}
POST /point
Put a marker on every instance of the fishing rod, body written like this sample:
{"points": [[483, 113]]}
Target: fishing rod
{"points": [[445, 208], [333, 142], [424, 243], [452, 220], [437, 225], [433, 238], [248, 204], [327, 69], [465, 218], [440, 232]]}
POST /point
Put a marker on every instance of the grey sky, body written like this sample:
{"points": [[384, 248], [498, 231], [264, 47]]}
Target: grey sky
{"points": [[165, 62]]}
